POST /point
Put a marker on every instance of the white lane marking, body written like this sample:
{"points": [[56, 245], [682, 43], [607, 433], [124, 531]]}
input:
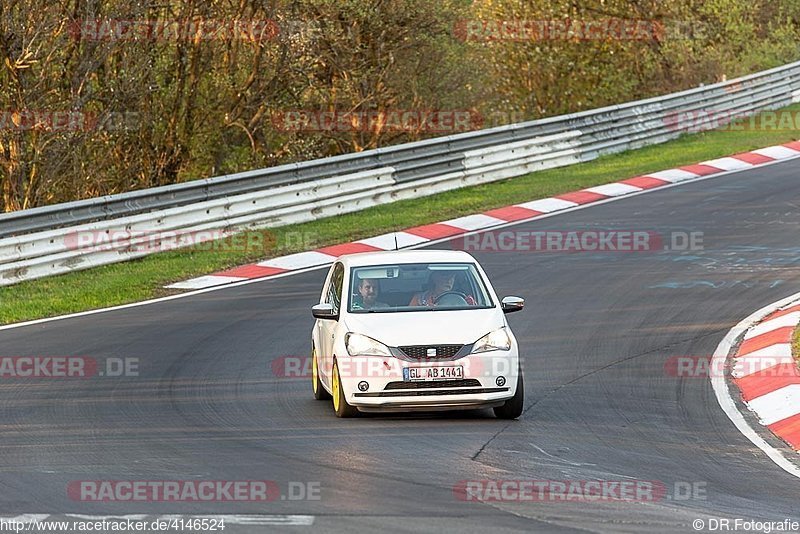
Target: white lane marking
{"points": [[776, 152], [721, 387], [474, 222], [548, 205], [777, 405], [387, 241], [790, 319], [205, 281], [573, 207], [300, 260], [614, 190], [727, 164], [673, 175]]}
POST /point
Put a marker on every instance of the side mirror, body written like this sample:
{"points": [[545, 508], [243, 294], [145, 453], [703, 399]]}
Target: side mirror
{"points": [[324, 311], [512, 304]]}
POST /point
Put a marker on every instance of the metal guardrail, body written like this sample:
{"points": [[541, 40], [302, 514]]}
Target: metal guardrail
{"points": [[46, 241]]}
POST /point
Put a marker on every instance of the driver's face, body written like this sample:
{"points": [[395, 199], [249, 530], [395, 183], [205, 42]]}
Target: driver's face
{"points": [[443, 282], [368, 291]]}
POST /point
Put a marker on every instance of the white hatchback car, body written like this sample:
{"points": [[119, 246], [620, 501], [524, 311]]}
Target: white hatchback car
{"points": [[414, 330]]}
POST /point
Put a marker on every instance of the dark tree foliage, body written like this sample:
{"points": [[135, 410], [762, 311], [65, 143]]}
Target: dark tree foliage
{"points": [[105, 96]]}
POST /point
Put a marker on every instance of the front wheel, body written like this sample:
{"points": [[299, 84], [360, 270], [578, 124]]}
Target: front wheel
{"points": [[320, 393], [512, 408], [340, 405]]}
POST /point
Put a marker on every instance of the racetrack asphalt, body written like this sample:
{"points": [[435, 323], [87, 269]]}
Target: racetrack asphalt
{"points": [[596, 333]]}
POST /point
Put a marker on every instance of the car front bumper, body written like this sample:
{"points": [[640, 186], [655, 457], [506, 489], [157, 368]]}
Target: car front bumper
{"points": [[377, 383]]}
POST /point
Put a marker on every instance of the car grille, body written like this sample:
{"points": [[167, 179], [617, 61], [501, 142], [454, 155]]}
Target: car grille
{"points": [[465, 383], [430, 392], [420, 352]]}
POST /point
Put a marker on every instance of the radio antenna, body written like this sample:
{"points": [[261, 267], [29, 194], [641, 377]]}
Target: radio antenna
{"points": [[394, 234]]}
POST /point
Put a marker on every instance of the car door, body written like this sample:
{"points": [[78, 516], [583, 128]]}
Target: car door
{"points": [[327, 328], [317, 339]]}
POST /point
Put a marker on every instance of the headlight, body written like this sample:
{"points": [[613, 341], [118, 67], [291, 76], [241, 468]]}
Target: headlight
{"points": [[497, 340], [358, 345]]}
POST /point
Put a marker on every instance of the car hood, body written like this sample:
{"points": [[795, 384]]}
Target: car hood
{"points": [[427, 327]]}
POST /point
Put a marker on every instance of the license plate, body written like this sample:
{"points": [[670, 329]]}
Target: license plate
{"points": [[413, 374]]}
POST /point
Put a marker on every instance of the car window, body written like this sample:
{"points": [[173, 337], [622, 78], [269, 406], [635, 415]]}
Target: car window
{"points": [[334, 296], [417, 286]]}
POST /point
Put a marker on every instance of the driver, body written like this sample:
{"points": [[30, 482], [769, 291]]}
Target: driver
{"points": [[367, 297], [441, 282]]}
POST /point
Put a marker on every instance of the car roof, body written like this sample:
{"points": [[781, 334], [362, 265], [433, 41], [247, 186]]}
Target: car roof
{"points": [[405, 256]]}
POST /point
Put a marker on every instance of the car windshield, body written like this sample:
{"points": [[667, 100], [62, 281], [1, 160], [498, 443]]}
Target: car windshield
{"points": [[417, 286]]}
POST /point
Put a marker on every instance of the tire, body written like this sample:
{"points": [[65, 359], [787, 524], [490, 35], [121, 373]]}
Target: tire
{"points": [[513, 407], [320, 393], [340, 405]]}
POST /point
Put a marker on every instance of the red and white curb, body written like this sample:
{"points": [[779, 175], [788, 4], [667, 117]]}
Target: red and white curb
{"points": [[758, 371], [768, 376], [496, 217]]}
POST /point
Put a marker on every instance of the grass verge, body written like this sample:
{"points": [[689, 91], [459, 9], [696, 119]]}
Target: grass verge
{"points": [[144, 278], [796, 344]]}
